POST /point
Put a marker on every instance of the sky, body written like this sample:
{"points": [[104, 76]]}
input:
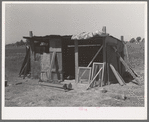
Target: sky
{"points": [[126, 20]]}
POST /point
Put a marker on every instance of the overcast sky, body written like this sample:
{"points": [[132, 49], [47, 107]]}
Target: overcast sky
{"points": [[67, 19]]}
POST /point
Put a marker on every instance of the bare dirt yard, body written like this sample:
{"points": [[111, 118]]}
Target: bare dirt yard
{"points": [[28, 92]]}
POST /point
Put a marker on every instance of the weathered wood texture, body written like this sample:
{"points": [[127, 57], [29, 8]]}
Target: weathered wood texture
{"points": [[105, 62], [45, 65], [61, 86], [111, 59], [76, 60], [116, 74], [56, 73], [35, 66], [96, 67], [94, 78]]}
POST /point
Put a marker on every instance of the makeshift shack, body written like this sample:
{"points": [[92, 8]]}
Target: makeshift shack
{"points": [[56, 58]]}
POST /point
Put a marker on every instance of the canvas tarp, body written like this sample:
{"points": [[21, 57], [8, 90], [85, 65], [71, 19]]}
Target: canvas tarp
{"points": [[88, 35]]}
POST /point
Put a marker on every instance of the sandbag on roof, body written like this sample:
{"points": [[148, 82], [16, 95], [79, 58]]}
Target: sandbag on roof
{"points": [[88, 35]]}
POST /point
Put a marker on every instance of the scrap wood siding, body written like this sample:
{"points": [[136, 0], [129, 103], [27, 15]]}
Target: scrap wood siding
{"points": [[59, 57]]}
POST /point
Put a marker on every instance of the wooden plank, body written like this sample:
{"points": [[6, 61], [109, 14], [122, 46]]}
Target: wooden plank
{"points": [[23, 68], [102, 75], [25, 59], [88, 45], [76, 60], [26, 67], [105, 62], [57, 67], [95, 71], [126, 53], [53, 59], [125, 64], [62, 86], [55, 49], [116, 75], [60, 70], [121, 78], [104, 30], [119, 65], [51, 65], [94, 57], [130, 70], [55, 45], [108, 73], [134, 72], [94, 78], [122, 38], [118, 62], [30, 34]]}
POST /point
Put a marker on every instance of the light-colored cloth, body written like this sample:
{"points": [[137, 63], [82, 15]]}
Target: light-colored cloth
{"points": [[85, 35]]}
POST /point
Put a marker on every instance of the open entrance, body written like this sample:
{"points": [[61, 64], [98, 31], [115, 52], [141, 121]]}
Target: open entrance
{"points": [[68, 60]]}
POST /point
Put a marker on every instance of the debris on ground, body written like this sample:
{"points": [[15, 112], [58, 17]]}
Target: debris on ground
{"points": [[119, 96], [18, 83], [103, 90], [6, 83]]}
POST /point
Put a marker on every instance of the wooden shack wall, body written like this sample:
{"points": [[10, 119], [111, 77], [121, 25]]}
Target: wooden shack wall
{"points": [[112, 58], [55, 45], [45, 65], [86, 54], [35, 66], [68, 58], [86, 51]]}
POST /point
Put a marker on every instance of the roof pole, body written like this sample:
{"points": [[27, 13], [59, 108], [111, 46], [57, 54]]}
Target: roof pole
{"points": [[104, 29], [122, 38], [30, 34], [32, 44], [105, 63]]}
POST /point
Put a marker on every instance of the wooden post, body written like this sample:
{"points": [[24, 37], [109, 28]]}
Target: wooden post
{"points": [[122, 38], [32, 43], [105, 62], [104, 29], [94, 77], [108, 79], [117, 75], [118, 61], [51, 66], [30, 34], [76, 60], [123, 56]]}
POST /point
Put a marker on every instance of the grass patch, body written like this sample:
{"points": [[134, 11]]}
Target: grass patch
{"points": [[136, 54], [13, 61]]}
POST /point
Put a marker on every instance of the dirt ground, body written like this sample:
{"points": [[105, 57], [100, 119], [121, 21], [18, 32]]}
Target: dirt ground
{"points": [[30, 93]]}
